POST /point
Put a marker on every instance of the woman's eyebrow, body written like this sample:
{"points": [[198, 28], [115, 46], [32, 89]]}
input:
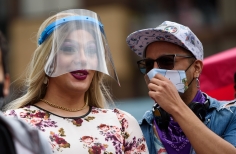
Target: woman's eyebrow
{"points": [[71, 42], [77, 43]]}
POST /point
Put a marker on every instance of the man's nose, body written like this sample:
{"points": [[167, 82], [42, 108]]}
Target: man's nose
{"points": [[155, 65]]}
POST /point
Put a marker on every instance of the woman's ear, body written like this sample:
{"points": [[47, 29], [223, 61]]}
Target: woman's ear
{"points": [[198, 66]]}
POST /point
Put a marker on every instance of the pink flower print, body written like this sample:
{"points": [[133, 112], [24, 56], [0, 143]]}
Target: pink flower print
{"points": [[121, 116], [23, 114], [77, 122], [60, 141], [141, 148], [35, 121], [119, 137], [118, 114], [128, 152], [103, 127], [124, 123], [87, 139], [12, 113], [39, 114], [104, 111], [116, 111], [95, 150], [117, 133], [94, 111], [115, 129]]}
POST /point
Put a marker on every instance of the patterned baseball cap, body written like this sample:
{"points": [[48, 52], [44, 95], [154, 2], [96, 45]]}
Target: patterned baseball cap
{"points": [[168, 31]]}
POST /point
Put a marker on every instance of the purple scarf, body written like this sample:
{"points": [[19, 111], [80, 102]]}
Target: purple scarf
{"points": [[174, 139]]}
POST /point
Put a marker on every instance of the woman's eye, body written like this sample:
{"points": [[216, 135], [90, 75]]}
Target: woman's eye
{"points": [[67, 49], [91, 49]]}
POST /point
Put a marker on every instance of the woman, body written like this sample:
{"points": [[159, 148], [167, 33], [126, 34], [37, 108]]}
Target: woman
{"points": [[66, 97]]}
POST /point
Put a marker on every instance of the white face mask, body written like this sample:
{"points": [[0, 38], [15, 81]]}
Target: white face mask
{"points": [[177, 77]]}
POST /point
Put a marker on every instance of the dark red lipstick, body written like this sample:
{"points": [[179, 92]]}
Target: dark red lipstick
{"points": [[80, 74]]}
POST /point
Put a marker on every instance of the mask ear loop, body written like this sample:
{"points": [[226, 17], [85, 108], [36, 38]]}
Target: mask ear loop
{"points": [[187, 70], [189, 66]]}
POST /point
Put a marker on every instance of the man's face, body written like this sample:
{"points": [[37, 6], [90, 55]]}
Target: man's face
{"points": [[158, 49]]}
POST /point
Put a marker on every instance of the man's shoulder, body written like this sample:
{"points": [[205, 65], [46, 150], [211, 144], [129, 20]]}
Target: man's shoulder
{"points": [[147, 118], [219, 104], [221, 111]]}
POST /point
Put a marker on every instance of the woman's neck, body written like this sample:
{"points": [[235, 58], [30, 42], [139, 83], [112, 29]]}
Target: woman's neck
{"points": [[65, 99]]}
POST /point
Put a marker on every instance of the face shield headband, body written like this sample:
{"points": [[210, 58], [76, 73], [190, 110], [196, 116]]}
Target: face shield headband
{"points": [[50, 28], [78, 43]]}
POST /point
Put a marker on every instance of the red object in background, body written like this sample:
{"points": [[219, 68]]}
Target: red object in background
{"points": [[217, 77]]}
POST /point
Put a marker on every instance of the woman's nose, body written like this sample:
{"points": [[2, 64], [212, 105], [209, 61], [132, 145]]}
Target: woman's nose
{"points": [[80, 59]]}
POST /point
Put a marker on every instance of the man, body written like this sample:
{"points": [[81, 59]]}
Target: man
{"points": [[183, 120], [16, 136]]}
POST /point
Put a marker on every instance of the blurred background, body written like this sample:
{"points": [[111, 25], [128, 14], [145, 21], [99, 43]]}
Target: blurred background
{"points": [[213, 21]]}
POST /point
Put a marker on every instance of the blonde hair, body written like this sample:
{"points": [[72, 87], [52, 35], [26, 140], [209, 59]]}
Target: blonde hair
{"points": [[97, 95]]}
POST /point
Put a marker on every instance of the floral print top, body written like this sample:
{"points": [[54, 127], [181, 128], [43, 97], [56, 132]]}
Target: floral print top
{"points": [[100, 131]]}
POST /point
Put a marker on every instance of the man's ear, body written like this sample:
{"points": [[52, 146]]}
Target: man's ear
{"points": [[6, 85], [198, 68]]}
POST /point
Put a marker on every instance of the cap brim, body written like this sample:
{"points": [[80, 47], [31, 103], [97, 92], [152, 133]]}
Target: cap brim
{"points": [[139, 40]]}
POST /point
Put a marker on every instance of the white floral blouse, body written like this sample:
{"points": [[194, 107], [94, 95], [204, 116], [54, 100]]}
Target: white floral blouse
{"points": [[100, 131]]}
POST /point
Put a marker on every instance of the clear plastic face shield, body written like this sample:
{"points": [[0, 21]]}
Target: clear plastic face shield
{"points": [[78, 43]]}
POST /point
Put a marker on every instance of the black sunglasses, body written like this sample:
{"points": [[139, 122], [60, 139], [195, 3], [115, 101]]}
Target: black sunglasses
{"points": [[163, 62]]}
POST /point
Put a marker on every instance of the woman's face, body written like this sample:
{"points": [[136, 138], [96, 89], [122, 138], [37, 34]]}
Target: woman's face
{"points": [[77, 58], [77, 52]]}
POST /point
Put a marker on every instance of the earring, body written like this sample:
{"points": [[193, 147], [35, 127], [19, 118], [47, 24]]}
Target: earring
{"points": [[45, 81], [198, 82]]}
